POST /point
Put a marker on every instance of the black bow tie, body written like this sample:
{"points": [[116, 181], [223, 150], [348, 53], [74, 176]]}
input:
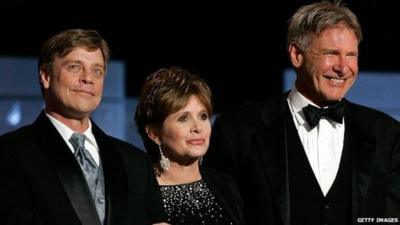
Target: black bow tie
{"points": [[313, 114]]}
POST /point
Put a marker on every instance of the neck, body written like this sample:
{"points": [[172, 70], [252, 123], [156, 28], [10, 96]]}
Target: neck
{"points": [[77, 125], [180, 174], [303, 90]]}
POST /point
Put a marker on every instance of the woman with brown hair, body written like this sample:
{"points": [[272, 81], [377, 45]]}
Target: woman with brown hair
{"points": [[173, 118]]}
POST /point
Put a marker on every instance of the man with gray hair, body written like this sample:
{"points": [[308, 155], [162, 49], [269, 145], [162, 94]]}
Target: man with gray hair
{"points": [[311, 157]]}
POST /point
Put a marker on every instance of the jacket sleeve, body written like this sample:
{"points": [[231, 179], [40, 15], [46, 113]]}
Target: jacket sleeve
{"points": [[16, 206], [155, 207]]}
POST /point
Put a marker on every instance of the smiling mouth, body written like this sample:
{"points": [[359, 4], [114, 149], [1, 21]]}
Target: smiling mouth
{"points": [[335, 81], [338, 81], [84, 92]]}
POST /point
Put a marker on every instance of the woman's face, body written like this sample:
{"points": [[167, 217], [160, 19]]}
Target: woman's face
{"points": [[185, 134]]}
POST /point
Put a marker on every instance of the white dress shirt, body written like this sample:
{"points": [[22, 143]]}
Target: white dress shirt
{"points": [[323, 144], [66, 133]]}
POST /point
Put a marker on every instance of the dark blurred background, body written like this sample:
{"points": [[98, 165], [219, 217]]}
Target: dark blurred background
{"points": [[238, 47]]}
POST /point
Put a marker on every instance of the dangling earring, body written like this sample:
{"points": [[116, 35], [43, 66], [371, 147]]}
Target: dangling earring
{"points": [[201, 160], [164, 161]]}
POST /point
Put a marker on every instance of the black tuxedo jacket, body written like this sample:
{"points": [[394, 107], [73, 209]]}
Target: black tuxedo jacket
{"points": [[42, 183], [250, 144]]}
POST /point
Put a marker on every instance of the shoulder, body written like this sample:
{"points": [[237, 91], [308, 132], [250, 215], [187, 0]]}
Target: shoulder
{"points": [[244, 111], [371, 118], [374, 122], [251, 114], [15, 137], [113, 142], [20, 146], [134, 160], [126, 148]]}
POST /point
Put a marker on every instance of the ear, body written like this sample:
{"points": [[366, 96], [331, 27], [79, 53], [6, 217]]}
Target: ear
{"points": [[153, 134], [44, 77], [296, 55]]}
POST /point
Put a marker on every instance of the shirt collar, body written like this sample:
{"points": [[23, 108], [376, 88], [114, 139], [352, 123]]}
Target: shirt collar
{"points": [[297, 102], [67, 132]]}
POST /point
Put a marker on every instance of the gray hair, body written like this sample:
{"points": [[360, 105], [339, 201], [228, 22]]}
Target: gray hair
{"points": [[310, 20]]}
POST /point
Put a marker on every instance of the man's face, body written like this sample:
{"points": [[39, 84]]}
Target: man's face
{"points": [[74, 87], [329, 67]]}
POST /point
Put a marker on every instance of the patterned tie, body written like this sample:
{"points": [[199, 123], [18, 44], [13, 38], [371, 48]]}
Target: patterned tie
{"points": [[85, 160], [93, 173], [334, 112]]}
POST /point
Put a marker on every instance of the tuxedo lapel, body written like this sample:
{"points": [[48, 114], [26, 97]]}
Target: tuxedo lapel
{"points": [[272, 148], [67, 169], [363, 148], [115, 179]]}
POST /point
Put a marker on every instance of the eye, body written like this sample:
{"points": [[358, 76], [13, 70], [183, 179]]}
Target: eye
{"points": [[352, 56], [74, 67], [330, 54], [98, 72], [183, 118], [204, 116]]}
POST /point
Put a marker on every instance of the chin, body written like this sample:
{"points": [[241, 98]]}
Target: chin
{"points": [[198, 155], [336, 98], [332, 96]]}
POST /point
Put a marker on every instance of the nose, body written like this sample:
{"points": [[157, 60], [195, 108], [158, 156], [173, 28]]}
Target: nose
{"points": [[196, 127], [86, 77], [341, 67]]}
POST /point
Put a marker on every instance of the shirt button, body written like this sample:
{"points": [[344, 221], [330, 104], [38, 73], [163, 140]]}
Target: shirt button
{"points": [[327, 207]]}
